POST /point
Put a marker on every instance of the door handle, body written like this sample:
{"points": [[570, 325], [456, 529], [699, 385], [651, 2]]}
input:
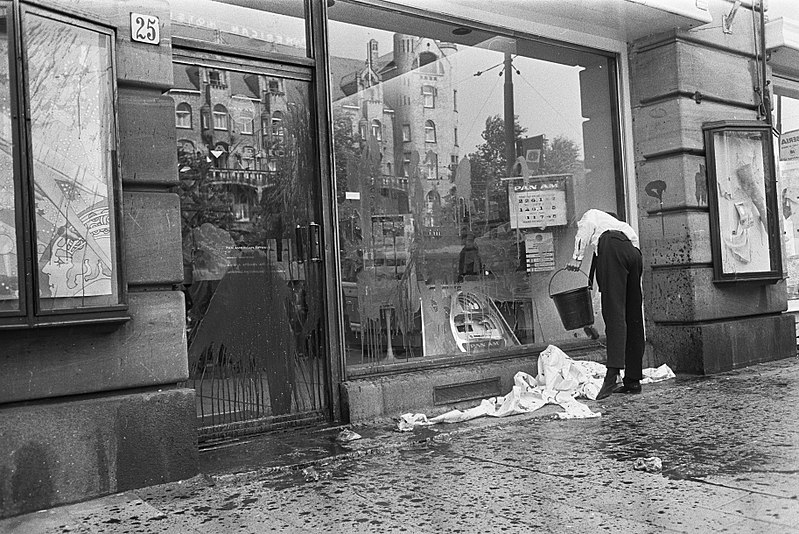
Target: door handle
{"points": [[299, 238], [314, 242]]}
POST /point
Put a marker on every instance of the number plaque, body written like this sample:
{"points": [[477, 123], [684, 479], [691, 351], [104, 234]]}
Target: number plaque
{"points": [[145, 29]]}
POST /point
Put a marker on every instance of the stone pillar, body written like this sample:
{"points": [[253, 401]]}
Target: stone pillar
{"points": [[679, 81]]}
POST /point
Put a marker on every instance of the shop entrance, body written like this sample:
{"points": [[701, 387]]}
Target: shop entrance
{"points": [[253, 275]]}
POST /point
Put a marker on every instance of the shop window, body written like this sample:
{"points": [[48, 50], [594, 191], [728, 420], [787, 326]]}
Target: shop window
{"points": [[183, 115], [377, 130], [429, 96], [520, 222], [429, 132], [63, 195], [220, 117], [787, 123]]}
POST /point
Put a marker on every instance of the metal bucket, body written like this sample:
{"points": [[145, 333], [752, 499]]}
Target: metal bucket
{"points": [[574, 306]]}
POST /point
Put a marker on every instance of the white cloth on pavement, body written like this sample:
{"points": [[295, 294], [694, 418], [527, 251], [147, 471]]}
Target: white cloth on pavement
{"points": [[560, 381]]}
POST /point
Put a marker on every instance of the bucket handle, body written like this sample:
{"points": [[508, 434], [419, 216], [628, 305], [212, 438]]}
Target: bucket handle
{"points": [[553, 277]]}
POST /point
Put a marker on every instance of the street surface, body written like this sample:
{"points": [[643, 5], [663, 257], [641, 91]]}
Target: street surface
{"points": [[729, 446]]}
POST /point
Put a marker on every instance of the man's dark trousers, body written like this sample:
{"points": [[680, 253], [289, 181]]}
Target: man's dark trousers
{"points": [[618, 274]]}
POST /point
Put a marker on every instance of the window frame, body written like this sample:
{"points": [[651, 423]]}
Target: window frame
{"points": [[246, 123], [428, 97], [377, 130], [216, 113], [430, 126], [30, 313], [184, 113]]}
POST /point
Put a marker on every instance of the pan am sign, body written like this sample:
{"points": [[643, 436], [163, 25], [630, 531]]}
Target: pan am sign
{"points": [[789, 145]]}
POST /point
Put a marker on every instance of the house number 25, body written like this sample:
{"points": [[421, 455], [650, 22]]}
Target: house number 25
{"points": [[145, 28]]}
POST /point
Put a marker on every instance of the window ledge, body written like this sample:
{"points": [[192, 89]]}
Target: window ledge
{"points": [[98, 318]]}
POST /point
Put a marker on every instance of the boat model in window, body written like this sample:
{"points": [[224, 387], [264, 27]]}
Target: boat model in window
{"points": [[477, 324]]}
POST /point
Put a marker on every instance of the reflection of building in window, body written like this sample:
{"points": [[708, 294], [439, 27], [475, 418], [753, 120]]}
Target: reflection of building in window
{"points": [[429, 132], [429, 96], [183, 115], [220, 117], [398, 89], [377, 130]]}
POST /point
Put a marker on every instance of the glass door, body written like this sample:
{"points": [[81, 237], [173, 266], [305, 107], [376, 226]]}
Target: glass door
{"points": [[253, 276]]}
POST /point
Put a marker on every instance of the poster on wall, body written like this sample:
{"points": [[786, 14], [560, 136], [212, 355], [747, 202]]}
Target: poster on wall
{"points": [[789, 145], [537, 202], [742, 199], [539, 250]]}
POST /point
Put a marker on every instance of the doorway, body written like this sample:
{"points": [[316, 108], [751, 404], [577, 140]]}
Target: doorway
{"points": [[253, 272]]}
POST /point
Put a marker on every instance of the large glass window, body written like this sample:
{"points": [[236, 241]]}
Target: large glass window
{"points": [[70, 264], [787, 122], [456, 261]]}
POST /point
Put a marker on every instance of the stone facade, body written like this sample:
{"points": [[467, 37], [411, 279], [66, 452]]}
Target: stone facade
{"points": [[681, 80]]}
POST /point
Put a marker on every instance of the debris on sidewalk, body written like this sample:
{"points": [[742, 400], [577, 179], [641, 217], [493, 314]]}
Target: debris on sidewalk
{"points": [[561, 381], [312, 475], [652, 375], [653, 464], [347, 435]]}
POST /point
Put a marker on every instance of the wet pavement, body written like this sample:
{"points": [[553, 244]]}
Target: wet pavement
{"points": [[729, 446]]}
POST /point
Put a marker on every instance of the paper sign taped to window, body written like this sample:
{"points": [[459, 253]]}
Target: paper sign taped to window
{"points": [[537, 204]]}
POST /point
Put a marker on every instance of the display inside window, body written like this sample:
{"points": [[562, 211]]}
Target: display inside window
{"points": [[9, 260], [787, 153], [742, 198], [69, 179], [453, 222]]}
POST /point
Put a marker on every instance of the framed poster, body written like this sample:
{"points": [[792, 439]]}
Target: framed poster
{"points": [[538, 201], [742, 198]]}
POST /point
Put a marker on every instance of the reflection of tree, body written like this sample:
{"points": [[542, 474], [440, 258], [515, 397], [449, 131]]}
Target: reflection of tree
{"points": [[200, 200], [560, 156], [490, 165]]}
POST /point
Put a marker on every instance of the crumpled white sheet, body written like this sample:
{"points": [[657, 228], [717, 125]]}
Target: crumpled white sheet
{"points": [[561, 380]]}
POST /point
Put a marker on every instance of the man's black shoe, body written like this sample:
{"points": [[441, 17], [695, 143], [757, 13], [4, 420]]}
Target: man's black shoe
{"points": [[608, 388]]}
